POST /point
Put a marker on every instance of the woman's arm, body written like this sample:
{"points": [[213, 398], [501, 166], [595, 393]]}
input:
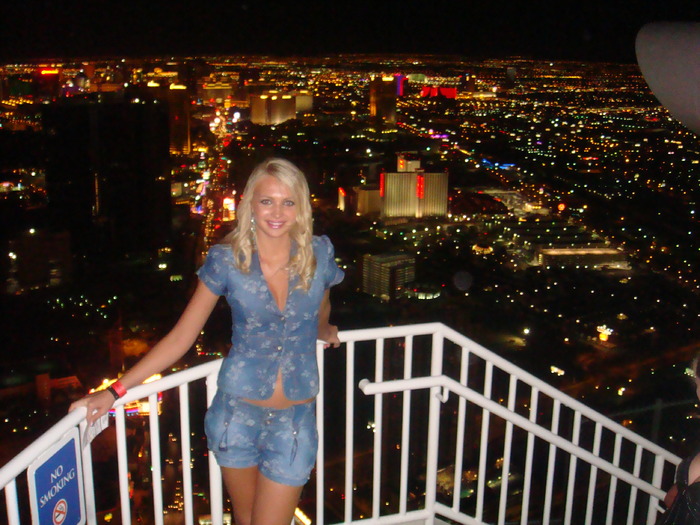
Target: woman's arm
{"points": [[166, 352], [326, 331], [694, 470]]}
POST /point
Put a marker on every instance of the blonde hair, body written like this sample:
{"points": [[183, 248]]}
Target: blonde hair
{"points": [[242, 239], [695, 367]]}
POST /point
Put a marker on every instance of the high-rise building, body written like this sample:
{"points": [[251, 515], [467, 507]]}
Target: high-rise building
{"points": [[407, 162], [304, 100], [369, 202], [382, 98], [272, 108], [412, 193], [107, 173], [179, 118], [47, 83], [385, 276], [510, 77], [401, 85]]}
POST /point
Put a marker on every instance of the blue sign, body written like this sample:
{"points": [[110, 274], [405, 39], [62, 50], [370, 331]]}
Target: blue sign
{"points": [[56, 484]]}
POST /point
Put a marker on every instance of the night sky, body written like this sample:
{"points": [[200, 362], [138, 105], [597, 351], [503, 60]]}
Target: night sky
{"points": [[598, 30]]}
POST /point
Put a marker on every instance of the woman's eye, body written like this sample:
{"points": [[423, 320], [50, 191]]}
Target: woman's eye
{"points": [[265, 201], [289, 203]]}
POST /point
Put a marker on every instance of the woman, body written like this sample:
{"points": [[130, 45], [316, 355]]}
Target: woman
{"points": [[276, 277], [683, 498]]}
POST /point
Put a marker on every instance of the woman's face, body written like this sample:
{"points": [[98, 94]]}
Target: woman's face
{"points": [[274, 208], [697, 388]]}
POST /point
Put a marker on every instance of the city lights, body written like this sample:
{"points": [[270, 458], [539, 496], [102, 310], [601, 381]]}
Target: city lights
{"points": [[547, 210]]}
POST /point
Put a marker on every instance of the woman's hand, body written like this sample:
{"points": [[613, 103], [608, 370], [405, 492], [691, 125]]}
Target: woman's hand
{"points": [[97, 404], [330, 335]]}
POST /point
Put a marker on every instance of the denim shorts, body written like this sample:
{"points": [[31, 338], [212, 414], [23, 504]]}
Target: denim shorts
{"points": [[281, 443]]}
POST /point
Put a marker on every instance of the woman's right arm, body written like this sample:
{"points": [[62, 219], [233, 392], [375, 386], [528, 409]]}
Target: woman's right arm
{"points": [[166, 352]]}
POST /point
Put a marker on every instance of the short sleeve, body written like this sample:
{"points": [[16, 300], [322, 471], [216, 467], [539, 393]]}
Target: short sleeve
{"points": [[331, 274], [214, 272]]}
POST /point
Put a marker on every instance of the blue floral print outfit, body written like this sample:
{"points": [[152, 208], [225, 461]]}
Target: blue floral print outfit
{"points": [[266, 341]]}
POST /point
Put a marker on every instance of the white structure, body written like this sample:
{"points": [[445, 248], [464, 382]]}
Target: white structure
{"points": [[525, 451]]}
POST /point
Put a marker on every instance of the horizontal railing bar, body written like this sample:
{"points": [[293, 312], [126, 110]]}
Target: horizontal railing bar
{"points": [[21, 461], [388, 332], [409, 517], [548, 389], [170, 381], [443, 510], [448, 383]]}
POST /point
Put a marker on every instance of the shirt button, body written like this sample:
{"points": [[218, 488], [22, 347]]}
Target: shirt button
{"points": [[279, 348]]}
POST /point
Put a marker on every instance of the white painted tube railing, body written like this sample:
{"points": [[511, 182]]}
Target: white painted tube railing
{"points": [[24, 459], [427, 351], [446, 384], [552, 392]]}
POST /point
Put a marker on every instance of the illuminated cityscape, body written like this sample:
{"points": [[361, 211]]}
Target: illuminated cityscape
{"points": [[547, 209]]}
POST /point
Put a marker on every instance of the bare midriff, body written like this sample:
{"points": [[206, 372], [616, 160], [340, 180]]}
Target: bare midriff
{"points": [[277, 400]]}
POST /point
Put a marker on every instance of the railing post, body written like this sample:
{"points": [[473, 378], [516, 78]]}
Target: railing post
{"points": [[122, 465], [156, 467], [320, 423], [11, 502], [378, 431], [88, 478], [349, 430], [185, 444], [216, 499], [436, 360], [406, 426], [656, 480]]}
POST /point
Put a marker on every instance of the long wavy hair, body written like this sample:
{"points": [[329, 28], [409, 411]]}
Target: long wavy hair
{"points": [[695, 366], [242, 239]]}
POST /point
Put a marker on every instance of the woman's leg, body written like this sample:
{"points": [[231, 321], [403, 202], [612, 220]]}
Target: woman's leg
{"points": [[258, 500], [274, 503], [240, 484]]}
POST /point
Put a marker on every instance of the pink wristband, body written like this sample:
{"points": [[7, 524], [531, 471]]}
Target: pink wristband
{"points": [[118, 388]]}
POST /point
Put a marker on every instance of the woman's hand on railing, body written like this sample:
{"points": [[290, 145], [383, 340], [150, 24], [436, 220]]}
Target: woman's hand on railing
{"points": [[329, 334], [97, 404]]}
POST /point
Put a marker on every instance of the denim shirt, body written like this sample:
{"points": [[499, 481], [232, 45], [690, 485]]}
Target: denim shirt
{"points": [[266, 340]]}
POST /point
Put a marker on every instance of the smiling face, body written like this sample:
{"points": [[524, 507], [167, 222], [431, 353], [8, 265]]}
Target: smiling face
{"points": [[274, 208]]}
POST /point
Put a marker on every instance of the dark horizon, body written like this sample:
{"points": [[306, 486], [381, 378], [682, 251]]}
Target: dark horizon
{"points": [[592, 31]]}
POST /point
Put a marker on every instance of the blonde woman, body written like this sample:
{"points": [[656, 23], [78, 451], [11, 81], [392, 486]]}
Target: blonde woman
{"points": [[276, 277], [683, 498]]}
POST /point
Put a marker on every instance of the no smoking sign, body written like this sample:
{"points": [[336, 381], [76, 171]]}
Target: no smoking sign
{"points": [[60, 511], [56, 484]]}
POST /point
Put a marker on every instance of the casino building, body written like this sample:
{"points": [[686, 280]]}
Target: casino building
{"points": [[410, 192], [385, 275]]}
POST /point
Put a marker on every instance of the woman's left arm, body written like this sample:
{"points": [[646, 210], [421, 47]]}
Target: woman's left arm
{"points": [[327, 332]]}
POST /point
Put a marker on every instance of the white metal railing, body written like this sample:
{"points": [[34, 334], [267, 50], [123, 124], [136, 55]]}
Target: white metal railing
{"points": [[507, 448]]}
